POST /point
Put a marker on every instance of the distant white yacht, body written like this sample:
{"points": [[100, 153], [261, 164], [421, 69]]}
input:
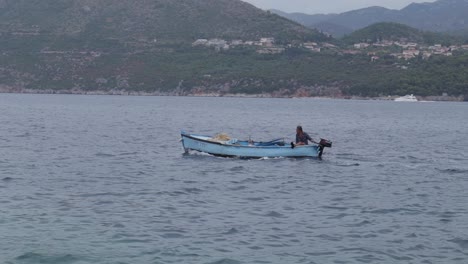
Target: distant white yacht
{"points": [[407, 98]]}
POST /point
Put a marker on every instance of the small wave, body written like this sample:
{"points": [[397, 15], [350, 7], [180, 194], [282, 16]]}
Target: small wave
{"points": [[193, 190], [128, 153], [172, 235], [225, 261], [175, 193], [86, 195], [338, 216], [417, 247], [348, 165], [448, 214], [388, 211], [237, 168], [362, 223], [231, 231], [354, 157], [385, 231], [31, 257], [238, 188], [378, 252], [223, 250], [190, 182], [197, 155], [335, 208], [255, 248], [105, 155], [104, 202], [129, 241], [326, 182], [118, 225], [318, 254], [275, 214], [330, 237], [412, 159], [248, 180], [27, 134], [267, 158], [254, 199], [7, 179], [453, 171], [463, 243]]}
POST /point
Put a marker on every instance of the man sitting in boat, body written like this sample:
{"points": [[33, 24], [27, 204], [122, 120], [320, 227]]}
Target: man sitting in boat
{"points": [[302, 138]]}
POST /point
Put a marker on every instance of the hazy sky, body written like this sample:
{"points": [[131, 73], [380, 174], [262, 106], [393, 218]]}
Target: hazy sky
{"points": [[329, 6]]}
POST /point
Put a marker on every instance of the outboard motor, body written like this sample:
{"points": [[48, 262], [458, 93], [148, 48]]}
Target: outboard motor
{"points": [[324, 143]]}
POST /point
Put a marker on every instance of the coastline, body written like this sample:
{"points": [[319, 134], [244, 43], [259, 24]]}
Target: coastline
{"points": [[10, 90]]}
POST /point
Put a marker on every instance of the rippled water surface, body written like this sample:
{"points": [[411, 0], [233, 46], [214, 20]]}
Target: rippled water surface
{"points": [[103, 179]]}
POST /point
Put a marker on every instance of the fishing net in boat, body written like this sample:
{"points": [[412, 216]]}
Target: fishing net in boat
{"points": [[222, 137]]}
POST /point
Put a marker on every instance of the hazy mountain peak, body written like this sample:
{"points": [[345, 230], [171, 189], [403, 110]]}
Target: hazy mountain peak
{"points": [[441, 16]]}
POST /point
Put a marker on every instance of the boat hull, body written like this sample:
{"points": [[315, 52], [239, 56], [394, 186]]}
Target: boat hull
{"points": [[406, 98], [224, 149]]}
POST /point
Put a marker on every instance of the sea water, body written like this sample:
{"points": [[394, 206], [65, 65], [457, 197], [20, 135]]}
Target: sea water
{"points": [[104, 179]]}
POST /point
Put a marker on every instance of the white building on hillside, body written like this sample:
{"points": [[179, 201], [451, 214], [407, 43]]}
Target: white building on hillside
{"points": [[267, 42], [361, 45]]}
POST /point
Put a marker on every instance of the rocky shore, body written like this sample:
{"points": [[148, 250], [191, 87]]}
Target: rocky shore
{"points": [[16, 90]]}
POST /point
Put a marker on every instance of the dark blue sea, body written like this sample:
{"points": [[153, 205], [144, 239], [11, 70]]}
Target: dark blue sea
{"points": [[104, 179]]}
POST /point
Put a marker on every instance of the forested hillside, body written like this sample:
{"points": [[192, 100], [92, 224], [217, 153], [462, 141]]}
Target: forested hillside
{"points": [[201, 47]]}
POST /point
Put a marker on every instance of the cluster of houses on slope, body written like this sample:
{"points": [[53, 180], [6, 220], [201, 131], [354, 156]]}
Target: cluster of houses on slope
{"points": [[410, 50], [267, 45], [264, 45]]}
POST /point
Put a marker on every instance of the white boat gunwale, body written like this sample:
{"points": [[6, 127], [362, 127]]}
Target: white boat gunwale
{"points": [[196, 137]]}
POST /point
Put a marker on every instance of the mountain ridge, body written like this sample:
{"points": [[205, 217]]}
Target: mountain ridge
{"points": [[438, 16], [110, 18], [391, 31]]}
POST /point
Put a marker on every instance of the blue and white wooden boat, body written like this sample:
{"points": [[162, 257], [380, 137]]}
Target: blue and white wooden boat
{"points": [[250, 149]]}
